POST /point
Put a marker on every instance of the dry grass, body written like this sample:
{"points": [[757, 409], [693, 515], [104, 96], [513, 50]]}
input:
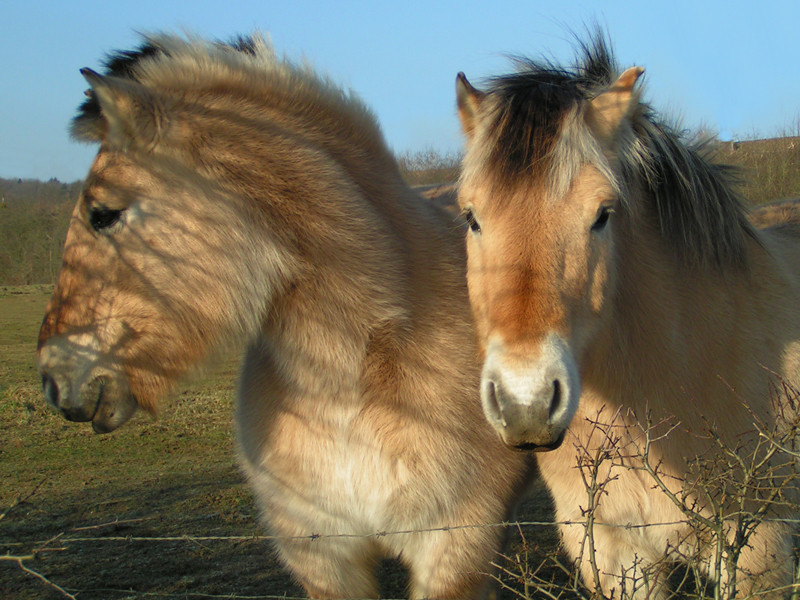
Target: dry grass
{"points": [[770, 168]]}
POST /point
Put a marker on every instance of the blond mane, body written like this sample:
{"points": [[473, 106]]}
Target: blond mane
{"points": [[245, 71]]}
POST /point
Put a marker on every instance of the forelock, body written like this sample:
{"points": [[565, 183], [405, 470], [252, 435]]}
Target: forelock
{"points": [[532, 131], [575, 148]]}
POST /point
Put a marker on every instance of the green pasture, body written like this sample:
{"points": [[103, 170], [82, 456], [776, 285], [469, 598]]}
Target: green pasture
{"points": [[169, 477]]}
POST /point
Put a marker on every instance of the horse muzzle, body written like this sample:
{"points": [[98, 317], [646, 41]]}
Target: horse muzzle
{"points": [[530, 403], [82, 390]]}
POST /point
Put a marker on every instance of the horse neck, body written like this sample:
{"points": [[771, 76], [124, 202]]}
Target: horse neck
{"points": [[397, 268]]}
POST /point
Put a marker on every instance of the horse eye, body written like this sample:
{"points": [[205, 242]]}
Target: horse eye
{"points": [[602, 218], [104, 219], [469, 216]]}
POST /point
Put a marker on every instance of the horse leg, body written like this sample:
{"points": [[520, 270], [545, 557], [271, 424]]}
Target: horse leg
{"points": [[622, 563], [327, 567], [452, 564], [332, 568]]}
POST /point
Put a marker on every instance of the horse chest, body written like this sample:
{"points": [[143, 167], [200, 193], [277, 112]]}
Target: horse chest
{"points": [[330, 460]]}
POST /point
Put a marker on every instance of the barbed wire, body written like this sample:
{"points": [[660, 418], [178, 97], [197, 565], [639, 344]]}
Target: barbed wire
{"points": [[715, 523], [63, 539], [315, 536], [131, 594]]}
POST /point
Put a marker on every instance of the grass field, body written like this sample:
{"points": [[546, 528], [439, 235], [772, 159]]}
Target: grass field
{"points": [[170, 477], [78, 502]]}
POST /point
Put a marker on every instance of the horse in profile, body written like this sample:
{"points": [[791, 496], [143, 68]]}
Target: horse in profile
{"points": [[240, 200], [617, 284]]}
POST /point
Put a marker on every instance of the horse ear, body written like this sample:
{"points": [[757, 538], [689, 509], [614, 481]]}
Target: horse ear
{"points": [[608, 110], [127, 110], [469, 100]]}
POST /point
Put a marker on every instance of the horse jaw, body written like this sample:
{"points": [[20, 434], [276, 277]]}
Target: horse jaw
{"points": [[113, 411]]}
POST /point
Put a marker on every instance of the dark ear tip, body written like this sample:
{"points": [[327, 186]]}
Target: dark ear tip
{"points": [[90, 75]]}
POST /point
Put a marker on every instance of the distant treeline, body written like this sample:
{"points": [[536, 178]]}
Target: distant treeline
{"points": [[33, 191], [34, 215], [429, 167]]}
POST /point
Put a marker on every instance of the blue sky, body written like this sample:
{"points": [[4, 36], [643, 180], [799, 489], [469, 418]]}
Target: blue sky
{"points": [[729, 66]]}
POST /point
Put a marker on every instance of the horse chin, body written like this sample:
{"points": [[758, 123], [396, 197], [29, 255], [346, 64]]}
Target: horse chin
{"points": [[113, 411], [530, 447], [530, 443]]}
